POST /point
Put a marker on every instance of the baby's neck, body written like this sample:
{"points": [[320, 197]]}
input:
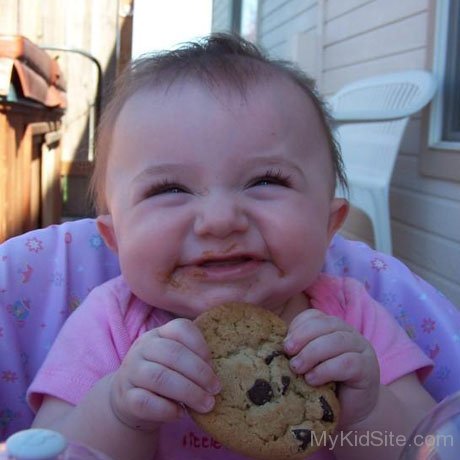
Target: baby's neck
{"points": [[293, 307]]}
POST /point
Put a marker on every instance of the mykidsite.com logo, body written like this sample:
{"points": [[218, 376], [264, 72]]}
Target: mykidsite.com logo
{"points": [[378, 439]]}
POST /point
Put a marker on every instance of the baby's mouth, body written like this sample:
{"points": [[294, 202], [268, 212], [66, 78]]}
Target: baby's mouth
{"points": [[225, 262], [223, 268]]}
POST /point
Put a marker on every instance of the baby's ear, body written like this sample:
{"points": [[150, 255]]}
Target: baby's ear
{"points": [[338, 213], [105, 226]]}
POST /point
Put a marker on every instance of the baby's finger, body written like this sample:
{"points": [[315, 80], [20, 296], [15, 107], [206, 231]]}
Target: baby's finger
{"points": [[174, 355], [326, 347], [347, 368], [148, 406], [170, 384], [305, 317], [186, 332], [311, 327]]}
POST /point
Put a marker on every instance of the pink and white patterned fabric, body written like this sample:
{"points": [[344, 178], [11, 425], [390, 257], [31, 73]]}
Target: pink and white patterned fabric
{"points": [[46, 273]]}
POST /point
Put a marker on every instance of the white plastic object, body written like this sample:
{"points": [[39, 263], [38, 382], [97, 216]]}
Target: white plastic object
{"points": [[371, 117], [437, 435], [43, 444], [36, 444]]}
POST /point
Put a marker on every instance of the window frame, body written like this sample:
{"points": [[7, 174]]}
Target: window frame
{"points": [[244, 15], [441, 65], [438, 159], [236, 16]]}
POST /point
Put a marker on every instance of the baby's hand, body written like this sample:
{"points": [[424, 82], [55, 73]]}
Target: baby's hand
{"points": [[165, 368], [326, 349]]}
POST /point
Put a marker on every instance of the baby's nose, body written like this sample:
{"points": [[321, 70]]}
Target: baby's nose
{"points": [[220, 217]]}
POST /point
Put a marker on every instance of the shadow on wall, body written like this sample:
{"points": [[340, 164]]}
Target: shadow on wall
{"points": [[76, 176]]}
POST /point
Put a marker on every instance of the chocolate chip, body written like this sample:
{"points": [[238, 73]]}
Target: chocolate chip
{"points": [[328, 415], [270, 357], [273, 355], [285, 381], [260, 393], [304, 436]]}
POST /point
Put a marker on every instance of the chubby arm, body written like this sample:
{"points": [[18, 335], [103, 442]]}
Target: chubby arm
{"points": [[93, 423], [165, 369], [400, 406]]}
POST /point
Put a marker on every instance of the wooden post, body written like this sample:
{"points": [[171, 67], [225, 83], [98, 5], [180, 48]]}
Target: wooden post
{"points": [[125, 33]]}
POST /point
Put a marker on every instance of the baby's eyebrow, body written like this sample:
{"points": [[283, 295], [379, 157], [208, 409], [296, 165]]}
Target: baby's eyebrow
{"points": [[158, 170], [273, 161]]}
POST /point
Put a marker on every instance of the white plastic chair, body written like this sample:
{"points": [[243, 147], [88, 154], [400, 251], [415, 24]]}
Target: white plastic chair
{"points": [[371, 116]]}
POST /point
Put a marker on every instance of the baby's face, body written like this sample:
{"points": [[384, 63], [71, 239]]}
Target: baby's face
{"points": [[215, 197]]}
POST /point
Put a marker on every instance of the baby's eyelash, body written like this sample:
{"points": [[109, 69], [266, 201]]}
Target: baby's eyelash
{"points": [[164, 186], [273, 176]]}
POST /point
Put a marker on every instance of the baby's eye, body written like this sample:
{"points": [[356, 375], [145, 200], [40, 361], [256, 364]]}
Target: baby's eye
{"points": [[271, 178], [164, 188]]}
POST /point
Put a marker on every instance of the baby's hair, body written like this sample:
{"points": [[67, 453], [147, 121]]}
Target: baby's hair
{"points": [[216, 60]]}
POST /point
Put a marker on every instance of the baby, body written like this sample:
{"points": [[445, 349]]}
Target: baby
{"points": [[214, 182]]}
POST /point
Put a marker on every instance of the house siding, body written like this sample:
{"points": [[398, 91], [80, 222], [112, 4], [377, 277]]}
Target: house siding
{"points": [[280, 21], [355, 39]]}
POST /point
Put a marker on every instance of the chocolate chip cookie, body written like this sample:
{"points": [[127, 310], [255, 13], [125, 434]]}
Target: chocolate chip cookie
{"points": [[264, 410]]}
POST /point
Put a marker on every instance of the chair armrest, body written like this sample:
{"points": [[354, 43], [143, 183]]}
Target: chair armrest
{"points": [[352, 116]]}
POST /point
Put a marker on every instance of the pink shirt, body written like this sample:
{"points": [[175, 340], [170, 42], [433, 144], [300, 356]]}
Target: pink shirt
{"points": [[97, 336]]}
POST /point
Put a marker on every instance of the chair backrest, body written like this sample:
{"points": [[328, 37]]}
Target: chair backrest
{"points": [[427, 316], [45, 274], [372, 115]]}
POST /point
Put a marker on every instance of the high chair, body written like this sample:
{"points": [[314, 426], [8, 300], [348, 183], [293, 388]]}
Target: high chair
{"points": [[371, 116], [45, 274]]}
